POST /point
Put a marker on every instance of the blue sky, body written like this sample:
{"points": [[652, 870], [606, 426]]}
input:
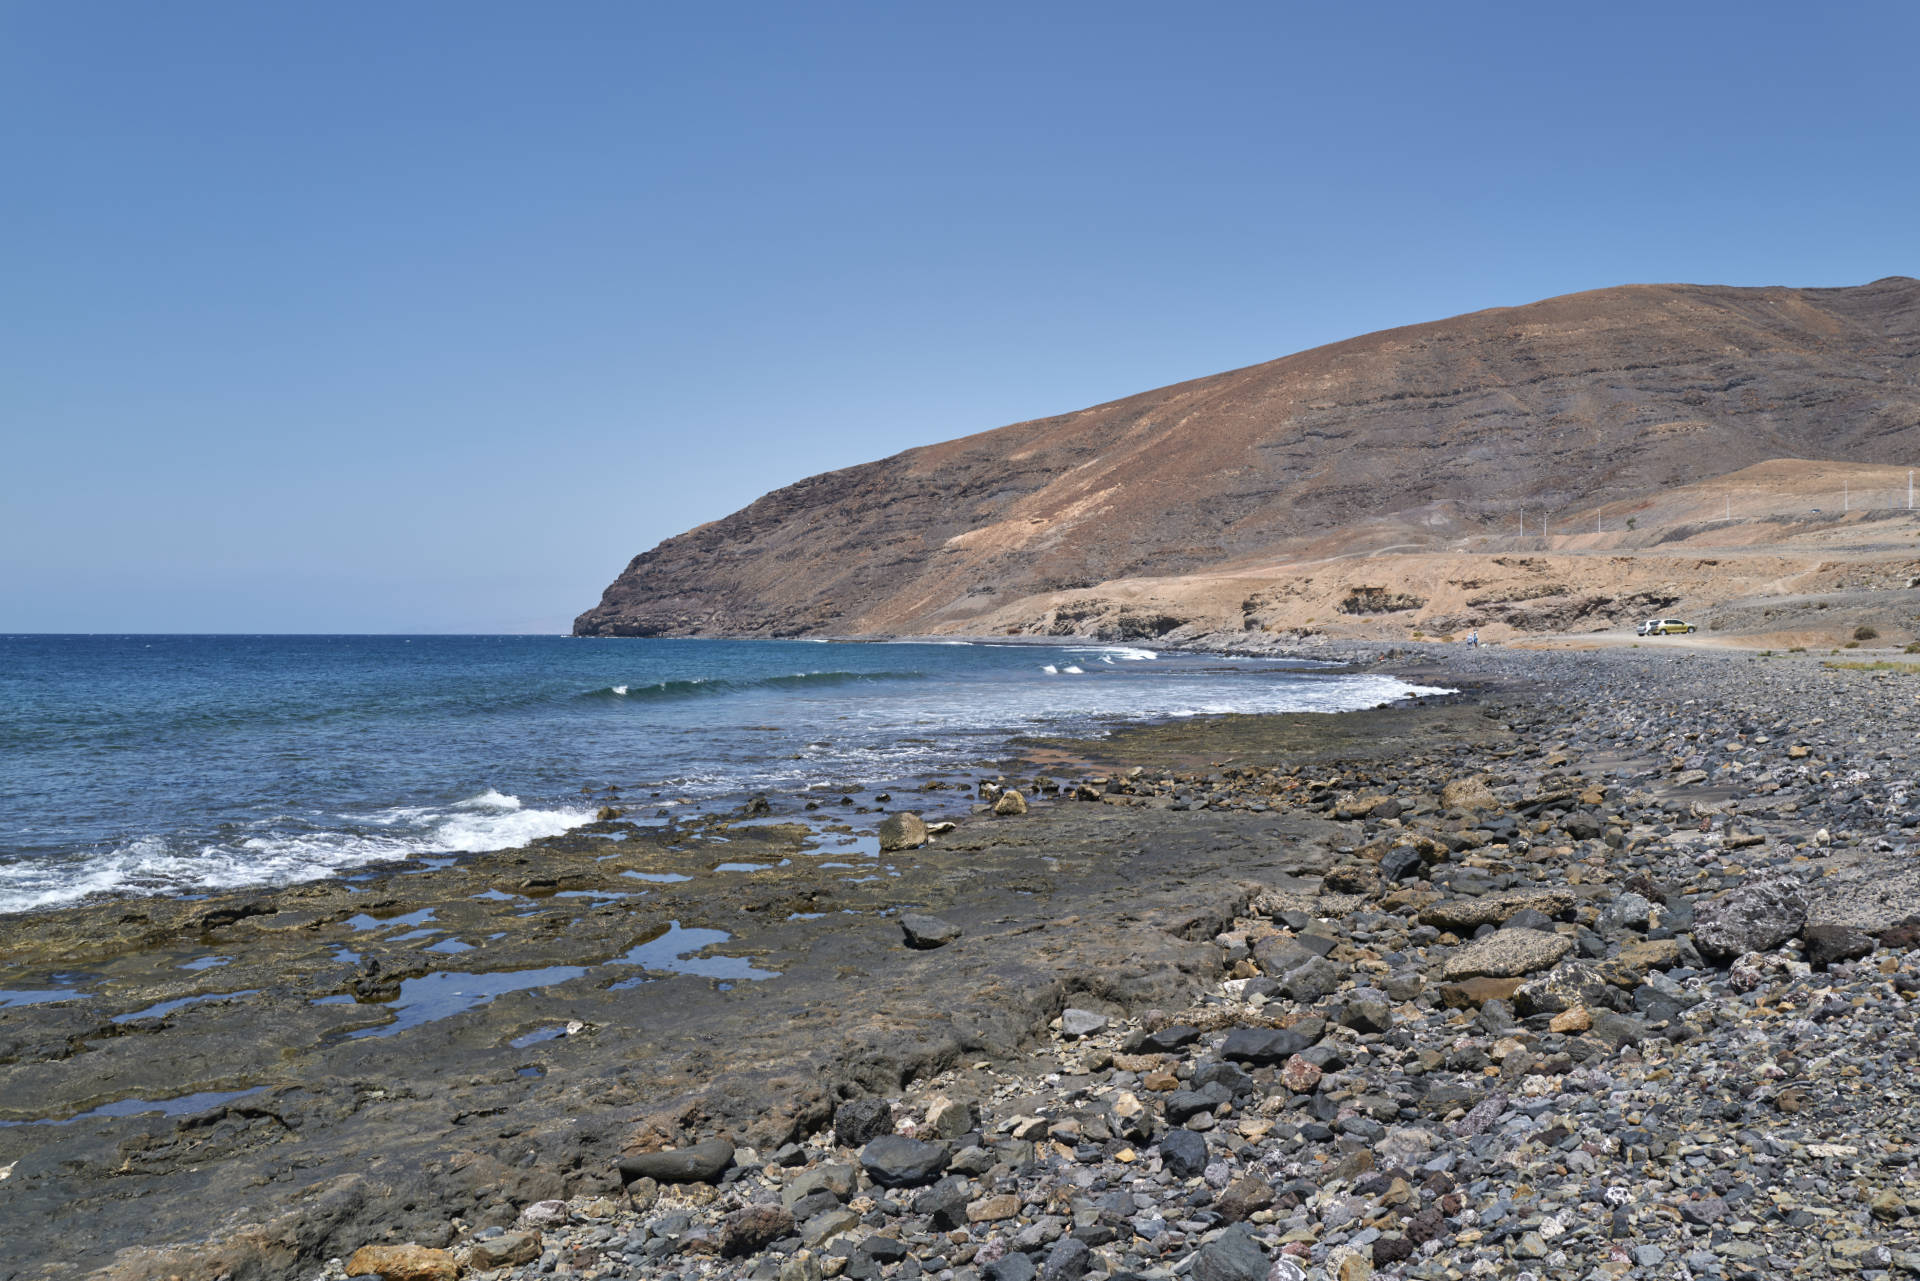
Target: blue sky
{"points": [[427, 317]]}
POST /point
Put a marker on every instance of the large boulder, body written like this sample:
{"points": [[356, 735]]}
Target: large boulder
{"points": [[1507, 953], [1757, 917], [752, 1228], [858, 1121], [1262, 1045], [701, 1163], [1829, 943], [896, 1161], [1468, 794], [1312, 981], [1571, 986], [507, 1250], [403, 1263], [924, 932], [1232, 1256], [903, 831]]}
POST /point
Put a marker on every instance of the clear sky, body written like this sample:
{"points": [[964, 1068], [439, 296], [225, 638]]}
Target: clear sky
{"points": [[428, 316]]}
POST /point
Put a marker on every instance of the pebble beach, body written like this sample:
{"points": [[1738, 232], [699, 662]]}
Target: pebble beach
{"points": [[1601, 967]]}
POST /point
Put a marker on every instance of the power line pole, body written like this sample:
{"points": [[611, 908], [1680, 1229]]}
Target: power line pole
{"points": [[1846, 496]]}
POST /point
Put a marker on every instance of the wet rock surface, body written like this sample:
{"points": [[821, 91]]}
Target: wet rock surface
{"points": [[1627, 1103]]}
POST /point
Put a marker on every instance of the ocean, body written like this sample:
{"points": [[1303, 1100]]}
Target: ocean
{"points": [[181, 764]]}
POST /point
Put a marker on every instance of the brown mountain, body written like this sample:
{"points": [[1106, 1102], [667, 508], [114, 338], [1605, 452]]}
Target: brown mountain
{"points": [[1422, 436]]}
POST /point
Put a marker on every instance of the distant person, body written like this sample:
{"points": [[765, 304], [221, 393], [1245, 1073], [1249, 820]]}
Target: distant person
{"points": [[1473, 640]]}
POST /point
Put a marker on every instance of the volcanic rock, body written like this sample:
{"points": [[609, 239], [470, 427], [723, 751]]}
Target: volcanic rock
{"points": [[896, 1161], [902, 831], [1506, 953], [1553, 398], [701, 1163], [1752, 918], [927, 932], [403, 1263]]}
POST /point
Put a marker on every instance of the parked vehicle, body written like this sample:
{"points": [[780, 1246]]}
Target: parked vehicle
{"points": [[1665, 627]]}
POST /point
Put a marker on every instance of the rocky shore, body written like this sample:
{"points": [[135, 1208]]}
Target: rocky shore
{"points": [[1601, 968]]}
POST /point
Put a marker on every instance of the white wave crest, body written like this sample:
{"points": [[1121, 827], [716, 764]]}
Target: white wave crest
{"points": [[1124, 653], [1071, 670], [489, 800], [1050, 670], [154, 865]]}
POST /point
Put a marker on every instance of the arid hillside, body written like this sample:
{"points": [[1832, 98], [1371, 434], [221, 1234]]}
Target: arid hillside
{"points": [[1505, 430]]}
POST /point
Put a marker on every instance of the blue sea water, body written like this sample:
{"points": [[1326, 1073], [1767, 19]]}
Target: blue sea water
{"points": [[178, 764]]}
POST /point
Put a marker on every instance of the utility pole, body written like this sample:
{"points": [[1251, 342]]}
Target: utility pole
{"points": [[1846, 496], [1909, 489], [1729, 507]]}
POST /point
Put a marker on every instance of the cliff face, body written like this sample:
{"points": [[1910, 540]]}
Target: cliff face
{"points": [[1432, 432]]}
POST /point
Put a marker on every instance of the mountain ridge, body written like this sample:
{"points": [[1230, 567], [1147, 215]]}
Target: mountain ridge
{"points": [[1447, 428]]}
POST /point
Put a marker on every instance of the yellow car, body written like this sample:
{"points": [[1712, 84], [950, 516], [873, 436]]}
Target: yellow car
{"points": [[1665, 627]]}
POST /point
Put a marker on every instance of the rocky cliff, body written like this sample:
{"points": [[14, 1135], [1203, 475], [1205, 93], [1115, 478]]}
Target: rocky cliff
{"points": [[1414, 437]]}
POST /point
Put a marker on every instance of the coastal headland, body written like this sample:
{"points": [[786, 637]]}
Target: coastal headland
{"points": [[1739, 457], [1605, 961]]}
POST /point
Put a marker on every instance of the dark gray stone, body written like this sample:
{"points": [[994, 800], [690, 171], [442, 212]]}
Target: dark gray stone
{"points": [[1183, 1152], [1528, 918], [1278, 956], [1010, 1267], [1079, 1023], [1311, 981], [945, 1203], [1262, 1045], [1227, 1075], [926, 932], [1829, 943], [896, 1161], [1168, 1039], [701, 1163], [859, 1121], [1401, 864], [1232, 1256], [1067, 1261], [1616, 1030], [1753, 918], [1181, 1104], [1367, 1016]]}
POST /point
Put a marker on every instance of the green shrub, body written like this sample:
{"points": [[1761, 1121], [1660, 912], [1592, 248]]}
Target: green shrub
{"points": [[1864, 632]]}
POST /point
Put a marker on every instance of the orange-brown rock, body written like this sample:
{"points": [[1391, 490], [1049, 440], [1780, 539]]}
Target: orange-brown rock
{"points": [[403, 1263]]}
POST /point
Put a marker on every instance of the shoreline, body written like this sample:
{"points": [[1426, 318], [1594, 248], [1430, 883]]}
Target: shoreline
{"points": [[1116, 903], [73, 869]]}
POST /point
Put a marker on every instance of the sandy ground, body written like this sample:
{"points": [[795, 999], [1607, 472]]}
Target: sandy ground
{"points": [[1784, 554]]}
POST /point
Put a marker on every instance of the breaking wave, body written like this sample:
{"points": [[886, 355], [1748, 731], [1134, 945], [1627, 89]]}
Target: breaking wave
{"points": [[156, 865], [703, 687]]}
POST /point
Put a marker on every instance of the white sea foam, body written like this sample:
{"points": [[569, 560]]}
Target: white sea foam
{"points": [[489, 800], [1050, 670], [1072, 670], [153, 865], [1108, 653], [620, 689]]}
